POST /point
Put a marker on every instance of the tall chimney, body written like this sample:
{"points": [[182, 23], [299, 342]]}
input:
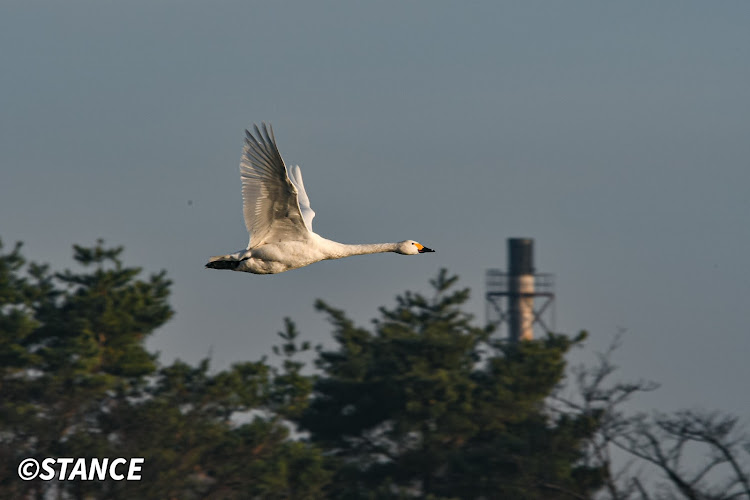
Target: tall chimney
{"points": [[521, 288], [520, 297]]}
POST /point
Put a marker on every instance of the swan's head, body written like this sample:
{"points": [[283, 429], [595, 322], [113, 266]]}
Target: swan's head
{"points": [[411, 247]]}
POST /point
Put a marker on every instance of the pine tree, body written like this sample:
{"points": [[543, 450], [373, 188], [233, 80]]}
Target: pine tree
{"points": [[16, 410], [429, 406], [73, 344], [77, 381]]}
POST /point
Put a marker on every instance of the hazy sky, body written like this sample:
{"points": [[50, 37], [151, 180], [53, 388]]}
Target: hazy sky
{"points": [[613, 133]]}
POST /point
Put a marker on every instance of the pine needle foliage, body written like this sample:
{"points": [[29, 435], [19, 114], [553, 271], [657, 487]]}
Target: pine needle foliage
{"points": [[426, 404]]}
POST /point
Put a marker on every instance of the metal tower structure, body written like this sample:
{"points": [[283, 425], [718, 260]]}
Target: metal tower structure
{"points": [[520, 298]]}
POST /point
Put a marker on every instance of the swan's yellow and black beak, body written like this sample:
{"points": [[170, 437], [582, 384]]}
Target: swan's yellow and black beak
{"points": [[423, 249]]}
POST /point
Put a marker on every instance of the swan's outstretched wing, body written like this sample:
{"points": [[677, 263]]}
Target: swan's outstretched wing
{"points": [[271, 201]]}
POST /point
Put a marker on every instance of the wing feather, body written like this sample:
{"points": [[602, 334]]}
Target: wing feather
{"points": [[304, 202], [271, 200]]}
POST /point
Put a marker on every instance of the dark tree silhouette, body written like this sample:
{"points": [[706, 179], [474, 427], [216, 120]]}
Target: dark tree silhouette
{"points": [[424, 404], [427, 405]]}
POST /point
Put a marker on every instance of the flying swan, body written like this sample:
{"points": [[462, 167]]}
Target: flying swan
{"points": [[279, 218]]}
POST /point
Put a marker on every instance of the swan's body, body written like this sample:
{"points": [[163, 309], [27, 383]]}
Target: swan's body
{"points": [[279, 218]]}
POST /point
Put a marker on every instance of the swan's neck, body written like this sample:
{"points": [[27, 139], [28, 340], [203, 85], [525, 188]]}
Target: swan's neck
{"points": [[336, 250]]}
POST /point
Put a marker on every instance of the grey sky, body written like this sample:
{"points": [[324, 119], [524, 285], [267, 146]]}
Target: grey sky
{"points": [[615, 134]]}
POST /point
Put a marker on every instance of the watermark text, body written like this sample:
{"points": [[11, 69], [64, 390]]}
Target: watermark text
{"points": [[83, 469]]}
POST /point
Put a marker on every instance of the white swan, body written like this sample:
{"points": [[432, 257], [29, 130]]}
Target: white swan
{"points": [[279, 218]]}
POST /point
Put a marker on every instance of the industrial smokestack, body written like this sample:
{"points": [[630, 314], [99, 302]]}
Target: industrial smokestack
{"points": [[521, 297], [521, 288]]}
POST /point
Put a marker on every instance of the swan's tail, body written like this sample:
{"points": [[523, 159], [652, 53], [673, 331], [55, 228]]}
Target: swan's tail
{"points": [[230, 261]]}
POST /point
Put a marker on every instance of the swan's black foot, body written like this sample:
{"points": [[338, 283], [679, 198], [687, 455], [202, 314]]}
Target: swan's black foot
{"points": [[223, 264]]}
